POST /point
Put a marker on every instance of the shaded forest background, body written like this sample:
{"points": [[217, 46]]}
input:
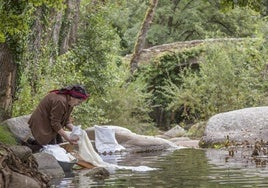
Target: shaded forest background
{"points": [[148, 65]]}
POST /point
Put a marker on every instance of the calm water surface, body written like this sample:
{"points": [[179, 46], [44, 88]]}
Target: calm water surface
{"points": [[184, 168]]}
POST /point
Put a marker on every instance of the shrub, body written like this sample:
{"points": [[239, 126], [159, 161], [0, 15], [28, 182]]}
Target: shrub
{"points": [[230, 77]]}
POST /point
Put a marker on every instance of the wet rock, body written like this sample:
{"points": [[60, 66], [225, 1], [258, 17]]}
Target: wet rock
{"points": [[98, 173], [185, 142]]}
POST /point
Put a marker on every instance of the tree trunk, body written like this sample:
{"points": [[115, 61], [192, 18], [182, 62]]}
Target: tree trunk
{"points": [[142, 36], [8, 71], [69, 26]]}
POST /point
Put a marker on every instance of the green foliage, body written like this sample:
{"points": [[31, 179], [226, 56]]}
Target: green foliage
{"points": [[27, 99], [230, 77], [12, 19], [94, 63], [185, 20], [97, 45], [15, 17], [126, 105], [126, 17], [197, 130], [6, 137], [167, 66], [22, 104], [253, 4], [59, 4], [120, 104], [109, 28]]}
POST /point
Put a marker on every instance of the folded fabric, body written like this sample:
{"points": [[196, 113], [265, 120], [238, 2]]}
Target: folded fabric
{"points": [[105, 140]]}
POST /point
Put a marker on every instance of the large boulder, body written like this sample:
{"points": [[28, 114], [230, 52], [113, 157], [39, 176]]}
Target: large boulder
{"points": [[244, 125], [16, 171], [48, 165], [19, 127]]}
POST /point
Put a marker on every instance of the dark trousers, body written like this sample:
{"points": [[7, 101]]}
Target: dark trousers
{"points": [[35, 146], [57, 140]]}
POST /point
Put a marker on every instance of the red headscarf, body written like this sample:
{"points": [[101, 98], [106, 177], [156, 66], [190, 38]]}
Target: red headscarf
{"points": [[76, 91]]}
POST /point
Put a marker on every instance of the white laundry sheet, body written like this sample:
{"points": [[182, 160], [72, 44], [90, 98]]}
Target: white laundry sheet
{"points": [[105, 140], [88, 154]]}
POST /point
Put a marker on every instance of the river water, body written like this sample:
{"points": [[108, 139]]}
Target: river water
{"points": [[183, 168]]}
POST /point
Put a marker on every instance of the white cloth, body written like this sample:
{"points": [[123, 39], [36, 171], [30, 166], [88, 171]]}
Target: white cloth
{"points": [[88, 154], [105, 140], [58, 152]]}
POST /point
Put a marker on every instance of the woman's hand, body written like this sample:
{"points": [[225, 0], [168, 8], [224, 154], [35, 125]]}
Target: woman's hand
{"points": [[73, 140]]}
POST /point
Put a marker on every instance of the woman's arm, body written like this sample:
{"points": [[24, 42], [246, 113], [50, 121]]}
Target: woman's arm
{"points": [[70, 126]]}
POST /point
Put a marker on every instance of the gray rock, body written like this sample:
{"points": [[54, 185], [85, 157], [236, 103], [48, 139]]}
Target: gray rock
{"points": [[22, 152], [98, 173], [19, 127], [249, 124], [48, 165], [176, 131], [20, 180]]}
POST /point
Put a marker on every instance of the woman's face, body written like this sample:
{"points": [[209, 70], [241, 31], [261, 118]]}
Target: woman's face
{"points": [[75, 101]]}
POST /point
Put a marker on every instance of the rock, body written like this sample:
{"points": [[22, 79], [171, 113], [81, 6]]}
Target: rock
{"points": [[249, 124], [98, 173], [17, 173], [22, 152], [176, 131], [48, 165], [20, 180], [19, 127], [185, 142]]}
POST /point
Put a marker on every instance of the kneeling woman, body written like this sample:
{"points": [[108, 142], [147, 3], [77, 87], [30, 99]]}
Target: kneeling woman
{"points": [[52, 115]]}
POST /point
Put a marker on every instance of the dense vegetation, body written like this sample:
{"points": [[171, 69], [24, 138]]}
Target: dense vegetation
{"points": [[179, 86]]}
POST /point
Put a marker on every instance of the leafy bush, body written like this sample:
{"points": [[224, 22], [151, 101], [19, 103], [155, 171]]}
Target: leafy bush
{"points": [[230, 77]]}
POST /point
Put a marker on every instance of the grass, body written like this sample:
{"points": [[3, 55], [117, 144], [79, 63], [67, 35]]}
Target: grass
{"points": [[6, 136]]}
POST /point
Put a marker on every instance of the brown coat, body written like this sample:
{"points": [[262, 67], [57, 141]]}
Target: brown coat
{"points": [[52, 114]]}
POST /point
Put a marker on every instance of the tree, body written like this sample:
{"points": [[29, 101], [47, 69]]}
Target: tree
{"points": [[142, 35], [7, 81], [27, 30], [12, 26]]}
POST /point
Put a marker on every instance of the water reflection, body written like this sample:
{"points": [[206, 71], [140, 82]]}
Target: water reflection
{"points": [[184, 168]]}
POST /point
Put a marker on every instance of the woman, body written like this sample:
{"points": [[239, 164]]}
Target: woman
{"points": [[52, 115]]}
